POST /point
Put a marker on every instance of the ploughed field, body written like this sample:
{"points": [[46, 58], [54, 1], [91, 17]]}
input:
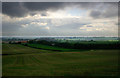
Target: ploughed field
{"points": [[19, 60]]}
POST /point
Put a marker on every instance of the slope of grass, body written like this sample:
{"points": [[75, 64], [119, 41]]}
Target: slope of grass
{"points": [[53, 48], [13, 49], [37, 62]]}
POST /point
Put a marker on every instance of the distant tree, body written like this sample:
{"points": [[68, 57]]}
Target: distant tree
{"points": [[91, 40], [19, 43], [31, 41], [10, 42], [25, 45]]}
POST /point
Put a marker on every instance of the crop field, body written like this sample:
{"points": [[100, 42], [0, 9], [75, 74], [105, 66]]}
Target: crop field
{"points": [[19, 60]]}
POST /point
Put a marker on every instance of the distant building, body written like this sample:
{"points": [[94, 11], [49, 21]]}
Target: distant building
{"points": [[17, 42], [23, 41], [5, 42]]}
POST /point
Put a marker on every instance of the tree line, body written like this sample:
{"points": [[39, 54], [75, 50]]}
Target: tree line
{"points": [[84, 45]]}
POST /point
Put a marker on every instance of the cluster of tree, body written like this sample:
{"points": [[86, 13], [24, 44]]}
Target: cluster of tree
{"points": [[78, 45], [11, 42]]}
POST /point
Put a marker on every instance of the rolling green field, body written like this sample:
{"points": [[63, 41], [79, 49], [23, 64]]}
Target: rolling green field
{"points": [[19, 60], [53, 48]]}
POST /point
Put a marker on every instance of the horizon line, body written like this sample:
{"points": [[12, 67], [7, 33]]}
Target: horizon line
{"points": [[59, 36]]}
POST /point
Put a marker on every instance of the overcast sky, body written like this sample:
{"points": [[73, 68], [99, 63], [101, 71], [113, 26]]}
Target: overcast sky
{"points": [[60, 19]]}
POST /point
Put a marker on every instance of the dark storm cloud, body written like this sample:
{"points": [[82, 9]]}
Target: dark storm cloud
{"points": [[13, 9], [41, 6], [20, 9]]}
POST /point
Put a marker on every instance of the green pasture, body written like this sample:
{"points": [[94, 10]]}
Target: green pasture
{"points": [[19, 60], [53, 48]]}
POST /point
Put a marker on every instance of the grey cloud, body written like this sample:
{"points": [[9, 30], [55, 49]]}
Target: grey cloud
{"points": [[41, 6], [9, 28], [95, 14], [13, 26], [89, 26], [34, 31], [0, 7], [70, 26], [44, 14], [13, 9], [106, 10], [19, 9], [111, 12], [15, 29]]}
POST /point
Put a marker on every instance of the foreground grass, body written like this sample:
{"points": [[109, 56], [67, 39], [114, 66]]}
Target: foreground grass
{"points": [[25, 61]]}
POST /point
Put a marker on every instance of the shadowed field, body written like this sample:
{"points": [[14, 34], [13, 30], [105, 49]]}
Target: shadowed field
{"points": [[19, 60]]}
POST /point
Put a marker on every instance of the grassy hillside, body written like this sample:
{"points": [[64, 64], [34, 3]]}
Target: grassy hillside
{"points": [[19, 60], [52, 48]]}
